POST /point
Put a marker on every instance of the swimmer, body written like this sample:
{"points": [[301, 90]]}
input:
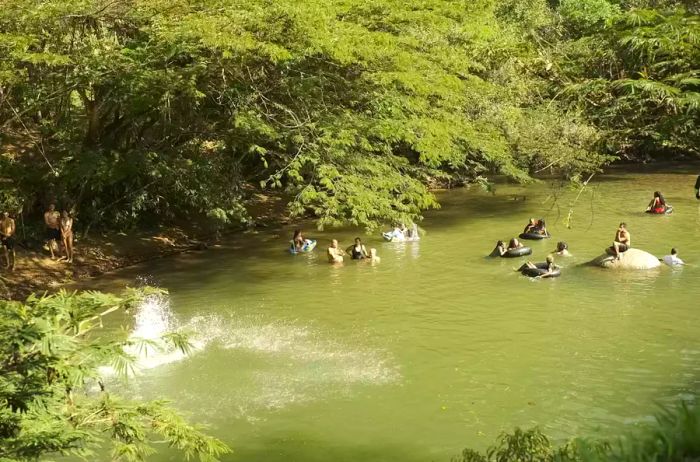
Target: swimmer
{"points": [[499, 250], [562, 249], [335, 254], [358, 251], [673, 259], [373, 257]]}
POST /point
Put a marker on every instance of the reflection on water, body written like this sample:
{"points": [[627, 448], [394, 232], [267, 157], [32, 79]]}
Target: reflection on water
{"points": [[435, 348]]}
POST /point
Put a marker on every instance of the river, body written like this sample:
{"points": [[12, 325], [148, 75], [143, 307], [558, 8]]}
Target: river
{"points": [[436, 348]]}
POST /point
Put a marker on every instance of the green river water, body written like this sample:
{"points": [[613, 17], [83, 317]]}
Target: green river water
{"points": [[436, 348]]}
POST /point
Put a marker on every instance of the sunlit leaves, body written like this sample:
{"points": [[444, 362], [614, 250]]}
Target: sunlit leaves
{"points": [[53, 396]]}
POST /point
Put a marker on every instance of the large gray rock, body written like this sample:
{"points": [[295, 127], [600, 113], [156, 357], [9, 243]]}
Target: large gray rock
{"points": [[633, 259]]}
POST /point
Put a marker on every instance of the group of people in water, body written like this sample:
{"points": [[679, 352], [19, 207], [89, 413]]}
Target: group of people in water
{"points": [[335, 253], [59, 234], [357, 251], [622, 242]]}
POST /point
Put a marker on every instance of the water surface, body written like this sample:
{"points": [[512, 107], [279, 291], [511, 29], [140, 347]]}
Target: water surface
{"points": [[436, 348]]}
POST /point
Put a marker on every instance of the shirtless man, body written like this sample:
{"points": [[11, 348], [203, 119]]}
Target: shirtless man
{"points": [[622, 242], [335, 254], [67, 235], [7, 233], [52, 219]]}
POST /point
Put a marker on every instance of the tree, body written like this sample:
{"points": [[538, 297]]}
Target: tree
{"points": [[53, 399], [637, 77], [140, 109]]}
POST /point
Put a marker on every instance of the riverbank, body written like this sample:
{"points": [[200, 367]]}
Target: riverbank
{"points": [[35, 272]]}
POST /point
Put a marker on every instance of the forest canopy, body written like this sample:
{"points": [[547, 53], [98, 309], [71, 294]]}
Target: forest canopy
{"points": [[134, 110]]}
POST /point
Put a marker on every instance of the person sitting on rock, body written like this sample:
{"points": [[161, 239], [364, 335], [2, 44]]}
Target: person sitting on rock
{"points": [[622, 242]]}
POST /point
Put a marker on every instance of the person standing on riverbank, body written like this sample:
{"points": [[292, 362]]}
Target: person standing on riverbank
{"points": [[7, 238], [67, 235], [53, 231]]}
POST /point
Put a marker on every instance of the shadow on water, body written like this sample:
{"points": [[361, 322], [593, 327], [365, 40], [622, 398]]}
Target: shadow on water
{"points": [[297, 447]]}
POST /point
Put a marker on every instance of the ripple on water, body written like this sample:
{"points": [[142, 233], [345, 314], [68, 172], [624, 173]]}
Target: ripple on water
{"points": [[293, 363]]}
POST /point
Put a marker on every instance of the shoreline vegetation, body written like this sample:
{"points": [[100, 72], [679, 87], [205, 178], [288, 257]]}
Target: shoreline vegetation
{"points": [[674, 435]]}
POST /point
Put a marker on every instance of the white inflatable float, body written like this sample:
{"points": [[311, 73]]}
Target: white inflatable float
{"points": [[632, 259], [398, 235]]}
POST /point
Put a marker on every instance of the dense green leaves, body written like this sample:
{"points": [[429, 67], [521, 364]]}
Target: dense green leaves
{"points": [[128, 109], [53, 398], [637, 78]]}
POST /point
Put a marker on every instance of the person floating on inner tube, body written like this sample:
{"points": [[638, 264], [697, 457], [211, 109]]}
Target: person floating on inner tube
{"points": [[622, 242], [541, 227], [298, 240], [499, 250], [549, 270], [657, 204], [531, 226], [514, 244], [562, 249]]}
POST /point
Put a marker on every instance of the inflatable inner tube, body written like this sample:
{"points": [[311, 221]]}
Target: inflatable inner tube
{"points": [[667, 210], [309, 245], [540, 270], [534, 236], [514, 253]]}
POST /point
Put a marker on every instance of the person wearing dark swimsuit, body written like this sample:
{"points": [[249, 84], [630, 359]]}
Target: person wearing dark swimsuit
{"points": [[358, 250]]}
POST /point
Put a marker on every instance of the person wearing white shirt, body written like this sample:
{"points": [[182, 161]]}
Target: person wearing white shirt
{"points": [[673, 260]]}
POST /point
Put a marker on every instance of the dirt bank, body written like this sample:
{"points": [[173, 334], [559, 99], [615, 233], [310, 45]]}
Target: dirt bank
{"points": [[36, 272]]}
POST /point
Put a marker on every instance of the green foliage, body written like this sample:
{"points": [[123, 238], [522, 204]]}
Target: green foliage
{"points": [[133, 109], [638, 80], [584, 16], [53, 399], [675, 436]]}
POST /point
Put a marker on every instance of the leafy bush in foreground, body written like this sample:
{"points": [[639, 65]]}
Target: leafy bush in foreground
{"points": [[675, 436], [53, 399]]}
